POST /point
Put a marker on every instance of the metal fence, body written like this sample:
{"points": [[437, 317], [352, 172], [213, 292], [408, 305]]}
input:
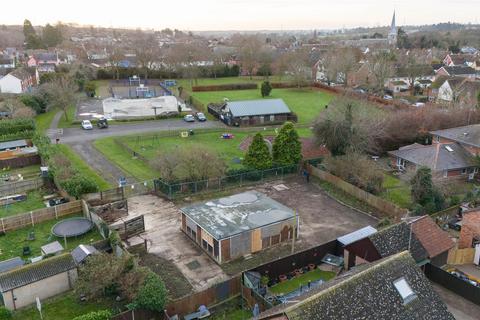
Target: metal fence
{"points": [[182, 189]]}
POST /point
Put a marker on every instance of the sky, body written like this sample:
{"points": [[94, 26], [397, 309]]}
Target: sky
{"points": [[200, 15]]}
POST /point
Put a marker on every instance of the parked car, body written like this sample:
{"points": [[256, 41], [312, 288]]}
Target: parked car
{"points": [[418, 104], [200, 116], [360, 90], [189, 118], [87, 125], [387, 97], [102, 123], [57, 201]]}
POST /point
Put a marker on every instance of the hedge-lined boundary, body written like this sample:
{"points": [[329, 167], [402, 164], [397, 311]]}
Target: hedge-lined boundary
{"points": [[225, 87]]}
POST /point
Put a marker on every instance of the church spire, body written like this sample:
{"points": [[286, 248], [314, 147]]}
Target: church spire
{"points": [[393, 27]]}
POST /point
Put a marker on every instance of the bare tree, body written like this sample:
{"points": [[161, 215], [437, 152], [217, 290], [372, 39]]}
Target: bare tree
{"points": [[115, 56], [280, 65], [382, 68], [297, 66], [61, 93], [187, 57], [147, 51], [250, 50], [16, 108]]}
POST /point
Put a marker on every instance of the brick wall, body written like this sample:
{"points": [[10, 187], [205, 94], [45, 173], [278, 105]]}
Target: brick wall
{"points": [[470, 229]]}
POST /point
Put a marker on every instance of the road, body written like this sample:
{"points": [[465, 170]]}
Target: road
{"points": [[78, 135]]}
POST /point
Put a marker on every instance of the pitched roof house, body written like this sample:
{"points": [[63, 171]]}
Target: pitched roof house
{"points": [[19, 81], [391, 288], [467, 136], [459, 71], [248, 112], [470, 232], [446, 160]]}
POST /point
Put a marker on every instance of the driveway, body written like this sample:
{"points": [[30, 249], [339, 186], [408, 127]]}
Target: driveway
{"points": [[73, 135]]}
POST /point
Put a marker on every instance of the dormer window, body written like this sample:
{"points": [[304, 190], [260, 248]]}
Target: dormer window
{"points": [[404, 290]]}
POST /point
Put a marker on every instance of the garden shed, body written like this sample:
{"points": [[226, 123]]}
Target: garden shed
{"points": [[238, 225]]}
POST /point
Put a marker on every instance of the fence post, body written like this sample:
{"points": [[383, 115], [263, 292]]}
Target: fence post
{"points": [[56, 213], [31, 217]]}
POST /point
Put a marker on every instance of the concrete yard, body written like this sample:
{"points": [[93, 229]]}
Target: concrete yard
{"points": [[321, 219]]}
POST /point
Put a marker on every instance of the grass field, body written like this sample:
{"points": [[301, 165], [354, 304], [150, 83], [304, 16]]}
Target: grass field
{"points": [[149, 147], [63, 123], [34, 201], [82, 167], [62, 307], [306, 103], [186, 83], [12, 243], [44, 120], [301, 280], [396, 191]]}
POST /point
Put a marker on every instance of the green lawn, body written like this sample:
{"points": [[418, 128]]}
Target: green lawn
{"points": [[12, 243], [301, 280], [232, 314], [62, 307], [44, 120], [186, 83], [27, 172], [149, 147], [82, 167], [34, 201], [396, 191], [306, 103], [63, 123], [124, 160]]}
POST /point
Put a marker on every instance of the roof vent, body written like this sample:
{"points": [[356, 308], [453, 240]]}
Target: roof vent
{"points": [[404, 290], [449, 149]]}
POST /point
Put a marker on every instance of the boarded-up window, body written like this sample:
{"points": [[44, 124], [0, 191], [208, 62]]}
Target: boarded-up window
{"points": [[225, 247], [265, 242], [275, 239], [240, 245]]}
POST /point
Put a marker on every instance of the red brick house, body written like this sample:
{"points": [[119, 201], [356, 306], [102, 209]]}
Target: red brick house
{"points": [[470, 232]]}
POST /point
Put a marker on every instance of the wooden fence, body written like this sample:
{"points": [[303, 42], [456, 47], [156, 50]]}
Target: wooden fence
{"points": [[31, 218], [384, 206], [10, 188], [461, 256], [138, 315], [213, 295]]}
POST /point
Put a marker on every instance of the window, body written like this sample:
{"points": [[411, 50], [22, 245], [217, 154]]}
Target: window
{"points": [[464, 171], [404, 290], [445, 173]]}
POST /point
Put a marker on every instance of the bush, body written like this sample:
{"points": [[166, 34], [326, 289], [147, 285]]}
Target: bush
{"points": [[5, 313], [152, 295], [78, 185], [224, 87], [16, 126], [95, 315]]}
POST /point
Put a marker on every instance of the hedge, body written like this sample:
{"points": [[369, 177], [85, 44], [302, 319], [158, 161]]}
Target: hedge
{"points": [[224, 87], [16, 126], [27, 134]]}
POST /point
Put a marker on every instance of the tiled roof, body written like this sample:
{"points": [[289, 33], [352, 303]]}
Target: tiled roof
{"points": [[368, 292], [437, 156], [433, 239], [398, 238], [23, 73], [469, 135], [36, 271], [459, 70]]}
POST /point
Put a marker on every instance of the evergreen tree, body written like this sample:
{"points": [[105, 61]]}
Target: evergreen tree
{"points": [[52, 36], [32, 41], [426, 196], [287, 148], [258, 155], [266, 88]]}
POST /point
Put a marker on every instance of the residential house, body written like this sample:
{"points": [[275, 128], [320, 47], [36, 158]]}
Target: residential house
{"points": [[19, 81], [403, 77], [44, 279], [421, 236], [457, 71], [361, 76], [468, 137], [468, 60], [7, 62], [445, 160], [251, 112], [238, 225], [45, 61], [391, 288], [470, 232], [455, 90]]}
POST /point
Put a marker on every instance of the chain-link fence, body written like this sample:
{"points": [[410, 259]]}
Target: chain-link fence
{"points": [[182, 189]]}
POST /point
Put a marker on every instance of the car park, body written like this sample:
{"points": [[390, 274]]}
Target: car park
{"points": [[87, 125], [189, 118]]}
